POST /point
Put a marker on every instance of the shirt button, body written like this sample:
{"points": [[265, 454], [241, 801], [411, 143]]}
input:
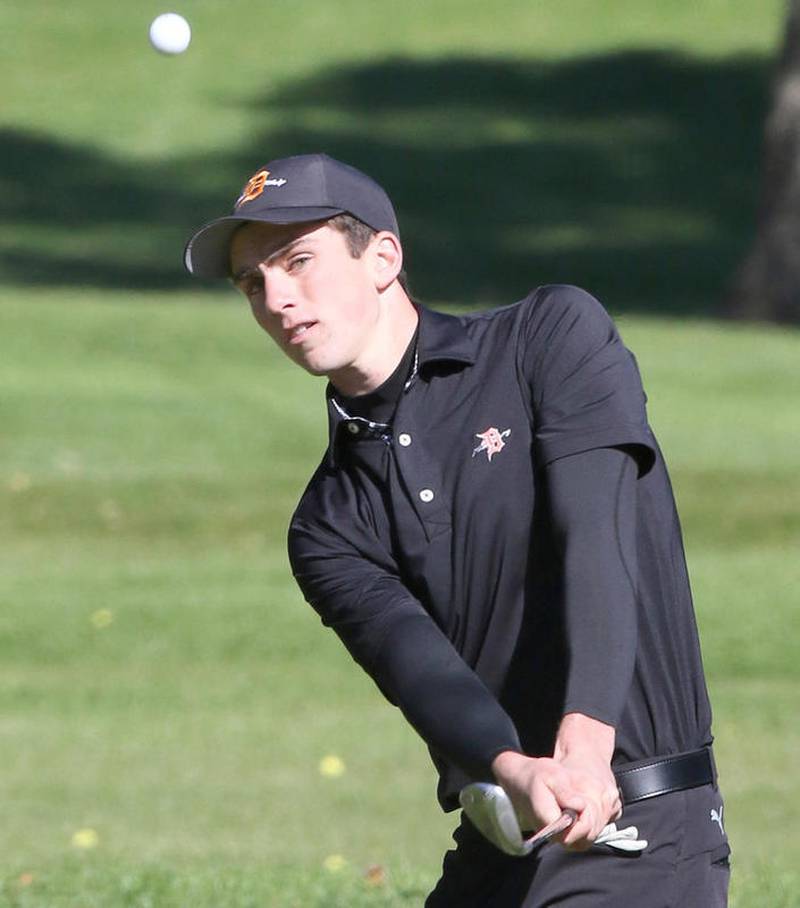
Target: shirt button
{"points": [[426, 495], [404, 439], [353, 428]]}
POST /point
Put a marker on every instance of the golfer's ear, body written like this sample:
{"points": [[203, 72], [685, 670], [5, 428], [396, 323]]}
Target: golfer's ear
{"points": [[387, 258]]}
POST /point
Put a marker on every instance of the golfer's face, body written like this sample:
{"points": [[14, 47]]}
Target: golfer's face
{"points": [[317, 302]]}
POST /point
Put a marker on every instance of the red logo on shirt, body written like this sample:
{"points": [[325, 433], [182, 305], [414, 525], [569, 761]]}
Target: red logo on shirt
{"points": [[491, 441]]}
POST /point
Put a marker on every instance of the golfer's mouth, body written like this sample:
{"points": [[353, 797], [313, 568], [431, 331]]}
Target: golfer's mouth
{"points": [[298, 333]]}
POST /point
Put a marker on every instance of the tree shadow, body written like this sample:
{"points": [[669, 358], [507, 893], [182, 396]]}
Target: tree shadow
{"points": [[75, 216], [632, 174]]}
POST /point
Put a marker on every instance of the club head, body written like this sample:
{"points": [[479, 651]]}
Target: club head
{"points": [[490, 810]]}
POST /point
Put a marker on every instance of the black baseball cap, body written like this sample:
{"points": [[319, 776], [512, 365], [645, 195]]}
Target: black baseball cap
{"points": [[308, 187]]}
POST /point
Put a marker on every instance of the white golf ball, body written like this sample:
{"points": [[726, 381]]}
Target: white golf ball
{"points": [[170, 33]]}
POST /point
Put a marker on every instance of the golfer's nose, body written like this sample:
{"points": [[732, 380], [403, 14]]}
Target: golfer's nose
{"points": [[278, 289]]}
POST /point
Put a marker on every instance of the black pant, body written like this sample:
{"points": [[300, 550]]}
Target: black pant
{"points": [[685, 864]]}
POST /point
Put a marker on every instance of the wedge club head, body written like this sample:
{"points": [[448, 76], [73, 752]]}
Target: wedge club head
{"points": [[491, 812]]}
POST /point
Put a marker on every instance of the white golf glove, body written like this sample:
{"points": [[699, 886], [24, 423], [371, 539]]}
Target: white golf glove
{"points": [[626, 839]]}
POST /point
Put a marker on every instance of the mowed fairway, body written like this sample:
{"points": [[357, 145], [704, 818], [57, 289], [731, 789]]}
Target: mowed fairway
{"points": [[164, 685], [151, 454]]}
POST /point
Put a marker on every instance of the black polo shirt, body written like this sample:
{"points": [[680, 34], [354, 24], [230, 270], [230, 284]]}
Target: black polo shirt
{"points": [[428, 545]]}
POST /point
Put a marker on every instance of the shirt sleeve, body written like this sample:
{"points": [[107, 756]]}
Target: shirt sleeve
{"points": [[583, 384], [592, 499], [389, 633]]}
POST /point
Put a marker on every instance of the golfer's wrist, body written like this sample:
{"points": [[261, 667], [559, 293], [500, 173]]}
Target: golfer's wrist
{"points": [[580, 734], [506, 765]]}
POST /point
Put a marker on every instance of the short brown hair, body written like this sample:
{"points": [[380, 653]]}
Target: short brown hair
{"points": [[357, 235]]}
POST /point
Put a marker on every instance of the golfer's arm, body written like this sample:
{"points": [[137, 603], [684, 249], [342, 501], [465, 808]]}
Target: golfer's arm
{"points": [[593, 510], [445, 701], [388, 632]]}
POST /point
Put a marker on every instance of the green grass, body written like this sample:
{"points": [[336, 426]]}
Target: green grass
{"points": [[616, 149], [134, 103], [151, 453], [93, 884], [151, 456]]}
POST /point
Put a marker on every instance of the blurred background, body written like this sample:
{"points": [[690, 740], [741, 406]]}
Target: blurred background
{"points": [[176, 727]]}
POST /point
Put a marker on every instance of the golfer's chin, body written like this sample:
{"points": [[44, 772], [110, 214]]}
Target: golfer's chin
{"points": [[322, 359], [315, 362]]}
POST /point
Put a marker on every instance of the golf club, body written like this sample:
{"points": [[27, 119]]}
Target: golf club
{"points": [[492, 813]]}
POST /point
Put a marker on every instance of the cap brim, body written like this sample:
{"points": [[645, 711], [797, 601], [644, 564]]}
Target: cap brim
{"points": [[207, 254]]}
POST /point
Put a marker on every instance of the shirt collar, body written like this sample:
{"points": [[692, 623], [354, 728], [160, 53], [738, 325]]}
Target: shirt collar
{"points": [[442, 337]]}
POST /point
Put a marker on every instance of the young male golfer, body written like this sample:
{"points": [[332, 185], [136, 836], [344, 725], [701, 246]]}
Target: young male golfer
{"points": [[492, 534]]}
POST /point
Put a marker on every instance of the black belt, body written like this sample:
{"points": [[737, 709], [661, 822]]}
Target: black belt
{"points": [[663, 775]]}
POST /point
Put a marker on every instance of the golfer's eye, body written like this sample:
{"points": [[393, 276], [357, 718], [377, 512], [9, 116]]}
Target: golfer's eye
{"points": [[253, 288], [298, 262]]}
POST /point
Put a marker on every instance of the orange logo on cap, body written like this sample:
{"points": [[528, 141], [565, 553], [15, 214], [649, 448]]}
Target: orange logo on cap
{"points": [[253, 188]]}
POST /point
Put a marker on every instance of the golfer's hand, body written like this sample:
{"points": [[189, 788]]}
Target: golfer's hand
{"points": [[539, 788], [584, 747], [578, 776]]}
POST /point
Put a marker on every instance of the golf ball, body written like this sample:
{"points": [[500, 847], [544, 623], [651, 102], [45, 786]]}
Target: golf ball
{"points": [[170, 33]]}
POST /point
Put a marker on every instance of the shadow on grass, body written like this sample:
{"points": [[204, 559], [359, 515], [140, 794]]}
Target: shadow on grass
{"points": [[632, 174]]}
